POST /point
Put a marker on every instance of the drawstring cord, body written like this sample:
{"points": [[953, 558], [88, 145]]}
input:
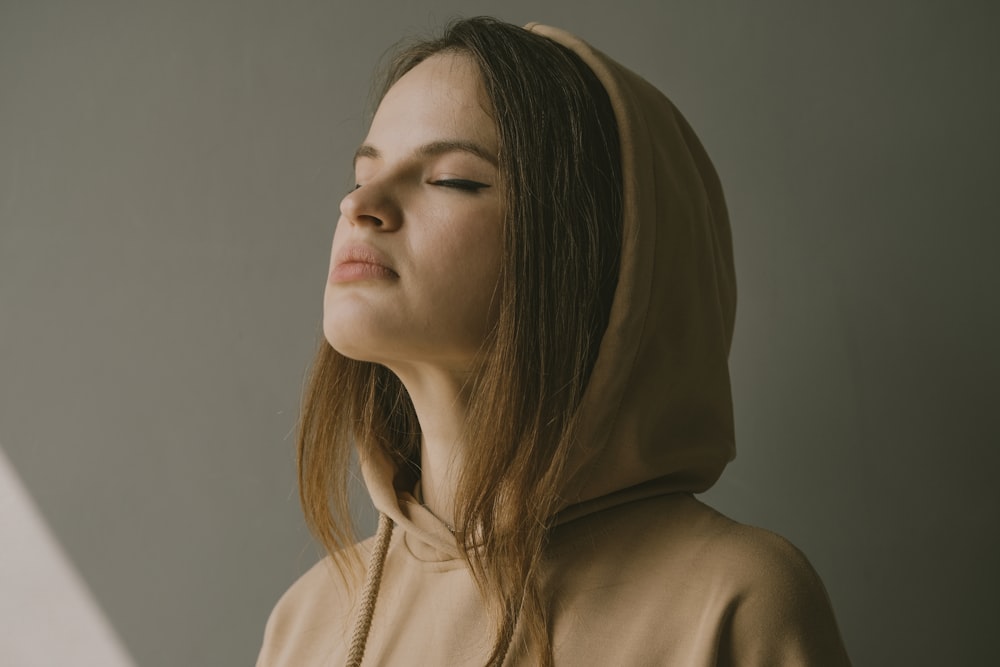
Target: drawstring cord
{"points": [[369, 593]]}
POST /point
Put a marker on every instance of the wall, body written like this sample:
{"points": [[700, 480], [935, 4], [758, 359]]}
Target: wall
{"points": [[169, 180]]}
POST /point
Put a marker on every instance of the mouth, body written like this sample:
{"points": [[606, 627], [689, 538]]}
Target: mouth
{"points": [[361, 262]]}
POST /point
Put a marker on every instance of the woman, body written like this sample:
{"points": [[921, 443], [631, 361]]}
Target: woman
{"points": [[528, 317]]}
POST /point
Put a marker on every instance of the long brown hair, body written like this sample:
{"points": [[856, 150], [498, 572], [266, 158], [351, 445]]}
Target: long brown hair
{"points": [[560, 174]]}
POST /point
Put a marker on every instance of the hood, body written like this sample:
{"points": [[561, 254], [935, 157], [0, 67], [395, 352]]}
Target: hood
{"points": [[656, 416]]}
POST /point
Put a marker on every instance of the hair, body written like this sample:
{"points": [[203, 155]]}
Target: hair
{"points": [[560, 179]]}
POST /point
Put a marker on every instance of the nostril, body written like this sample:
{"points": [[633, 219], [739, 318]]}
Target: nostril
{"points": [[369, 206], [369, 219]]}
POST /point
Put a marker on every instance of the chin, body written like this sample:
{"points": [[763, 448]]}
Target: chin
{"points": [[350, 328], [344, 342], [356, 341]]}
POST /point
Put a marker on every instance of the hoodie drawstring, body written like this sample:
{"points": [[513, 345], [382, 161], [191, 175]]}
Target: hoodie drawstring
{"points": [[369, 593]]}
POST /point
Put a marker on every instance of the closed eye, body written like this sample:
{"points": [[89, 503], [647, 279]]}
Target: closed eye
{"points": [[461, 184]]}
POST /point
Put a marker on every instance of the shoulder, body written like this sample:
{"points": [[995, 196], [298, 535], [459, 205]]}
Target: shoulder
{"points": [[688, 531], [752, 591], [779, 612], [666, 534], [756, 558], [316, 609]]}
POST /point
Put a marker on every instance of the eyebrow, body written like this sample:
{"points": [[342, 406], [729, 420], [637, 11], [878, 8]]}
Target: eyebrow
{"points": [[434, 149]]}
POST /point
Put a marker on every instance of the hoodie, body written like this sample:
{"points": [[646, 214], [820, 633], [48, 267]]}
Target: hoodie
{"points": [[638, 571]]}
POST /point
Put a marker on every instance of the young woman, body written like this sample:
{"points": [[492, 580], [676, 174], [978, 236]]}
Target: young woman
{"points": [[528, 317]]}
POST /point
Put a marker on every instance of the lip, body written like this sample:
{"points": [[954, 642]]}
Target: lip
{"points": [[360, 262]]}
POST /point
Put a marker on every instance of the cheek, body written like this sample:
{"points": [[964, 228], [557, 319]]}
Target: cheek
{"points": [[467, 277]]}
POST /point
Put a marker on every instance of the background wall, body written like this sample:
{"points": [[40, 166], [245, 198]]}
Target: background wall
{"points": [[169, 181]]}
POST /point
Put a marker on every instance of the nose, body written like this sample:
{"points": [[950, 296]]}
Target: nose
{"points": [[371, 205]]}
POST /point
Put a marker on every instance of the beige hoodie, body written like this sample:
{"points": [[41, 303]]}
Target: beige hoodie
{"points": [[638, 571]]}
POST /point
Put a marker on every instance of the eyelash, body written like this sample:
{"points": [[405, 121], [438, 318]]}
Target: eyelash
{"points": [[456, 183], [461, 184]]}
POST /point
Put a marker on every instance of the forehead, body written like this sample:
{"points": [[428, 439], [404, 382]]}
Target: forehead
{"points": [[442, 97]]}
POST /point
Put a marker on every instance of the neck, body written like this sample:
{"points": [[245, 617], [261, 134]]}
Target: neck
{"points": [[440, 401]]}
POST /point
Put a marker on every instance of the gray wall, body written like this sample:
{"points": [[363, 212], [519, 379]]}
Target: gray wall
{"points": [[169, 178]]}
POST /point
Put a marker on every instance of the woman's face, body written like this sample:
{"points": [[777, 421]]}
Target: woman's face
{"points": [[416, 253]]}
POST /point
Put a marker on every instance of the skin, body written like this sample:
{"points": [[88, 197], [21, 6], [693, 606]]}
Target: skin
{"points": [[424, 225]]}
